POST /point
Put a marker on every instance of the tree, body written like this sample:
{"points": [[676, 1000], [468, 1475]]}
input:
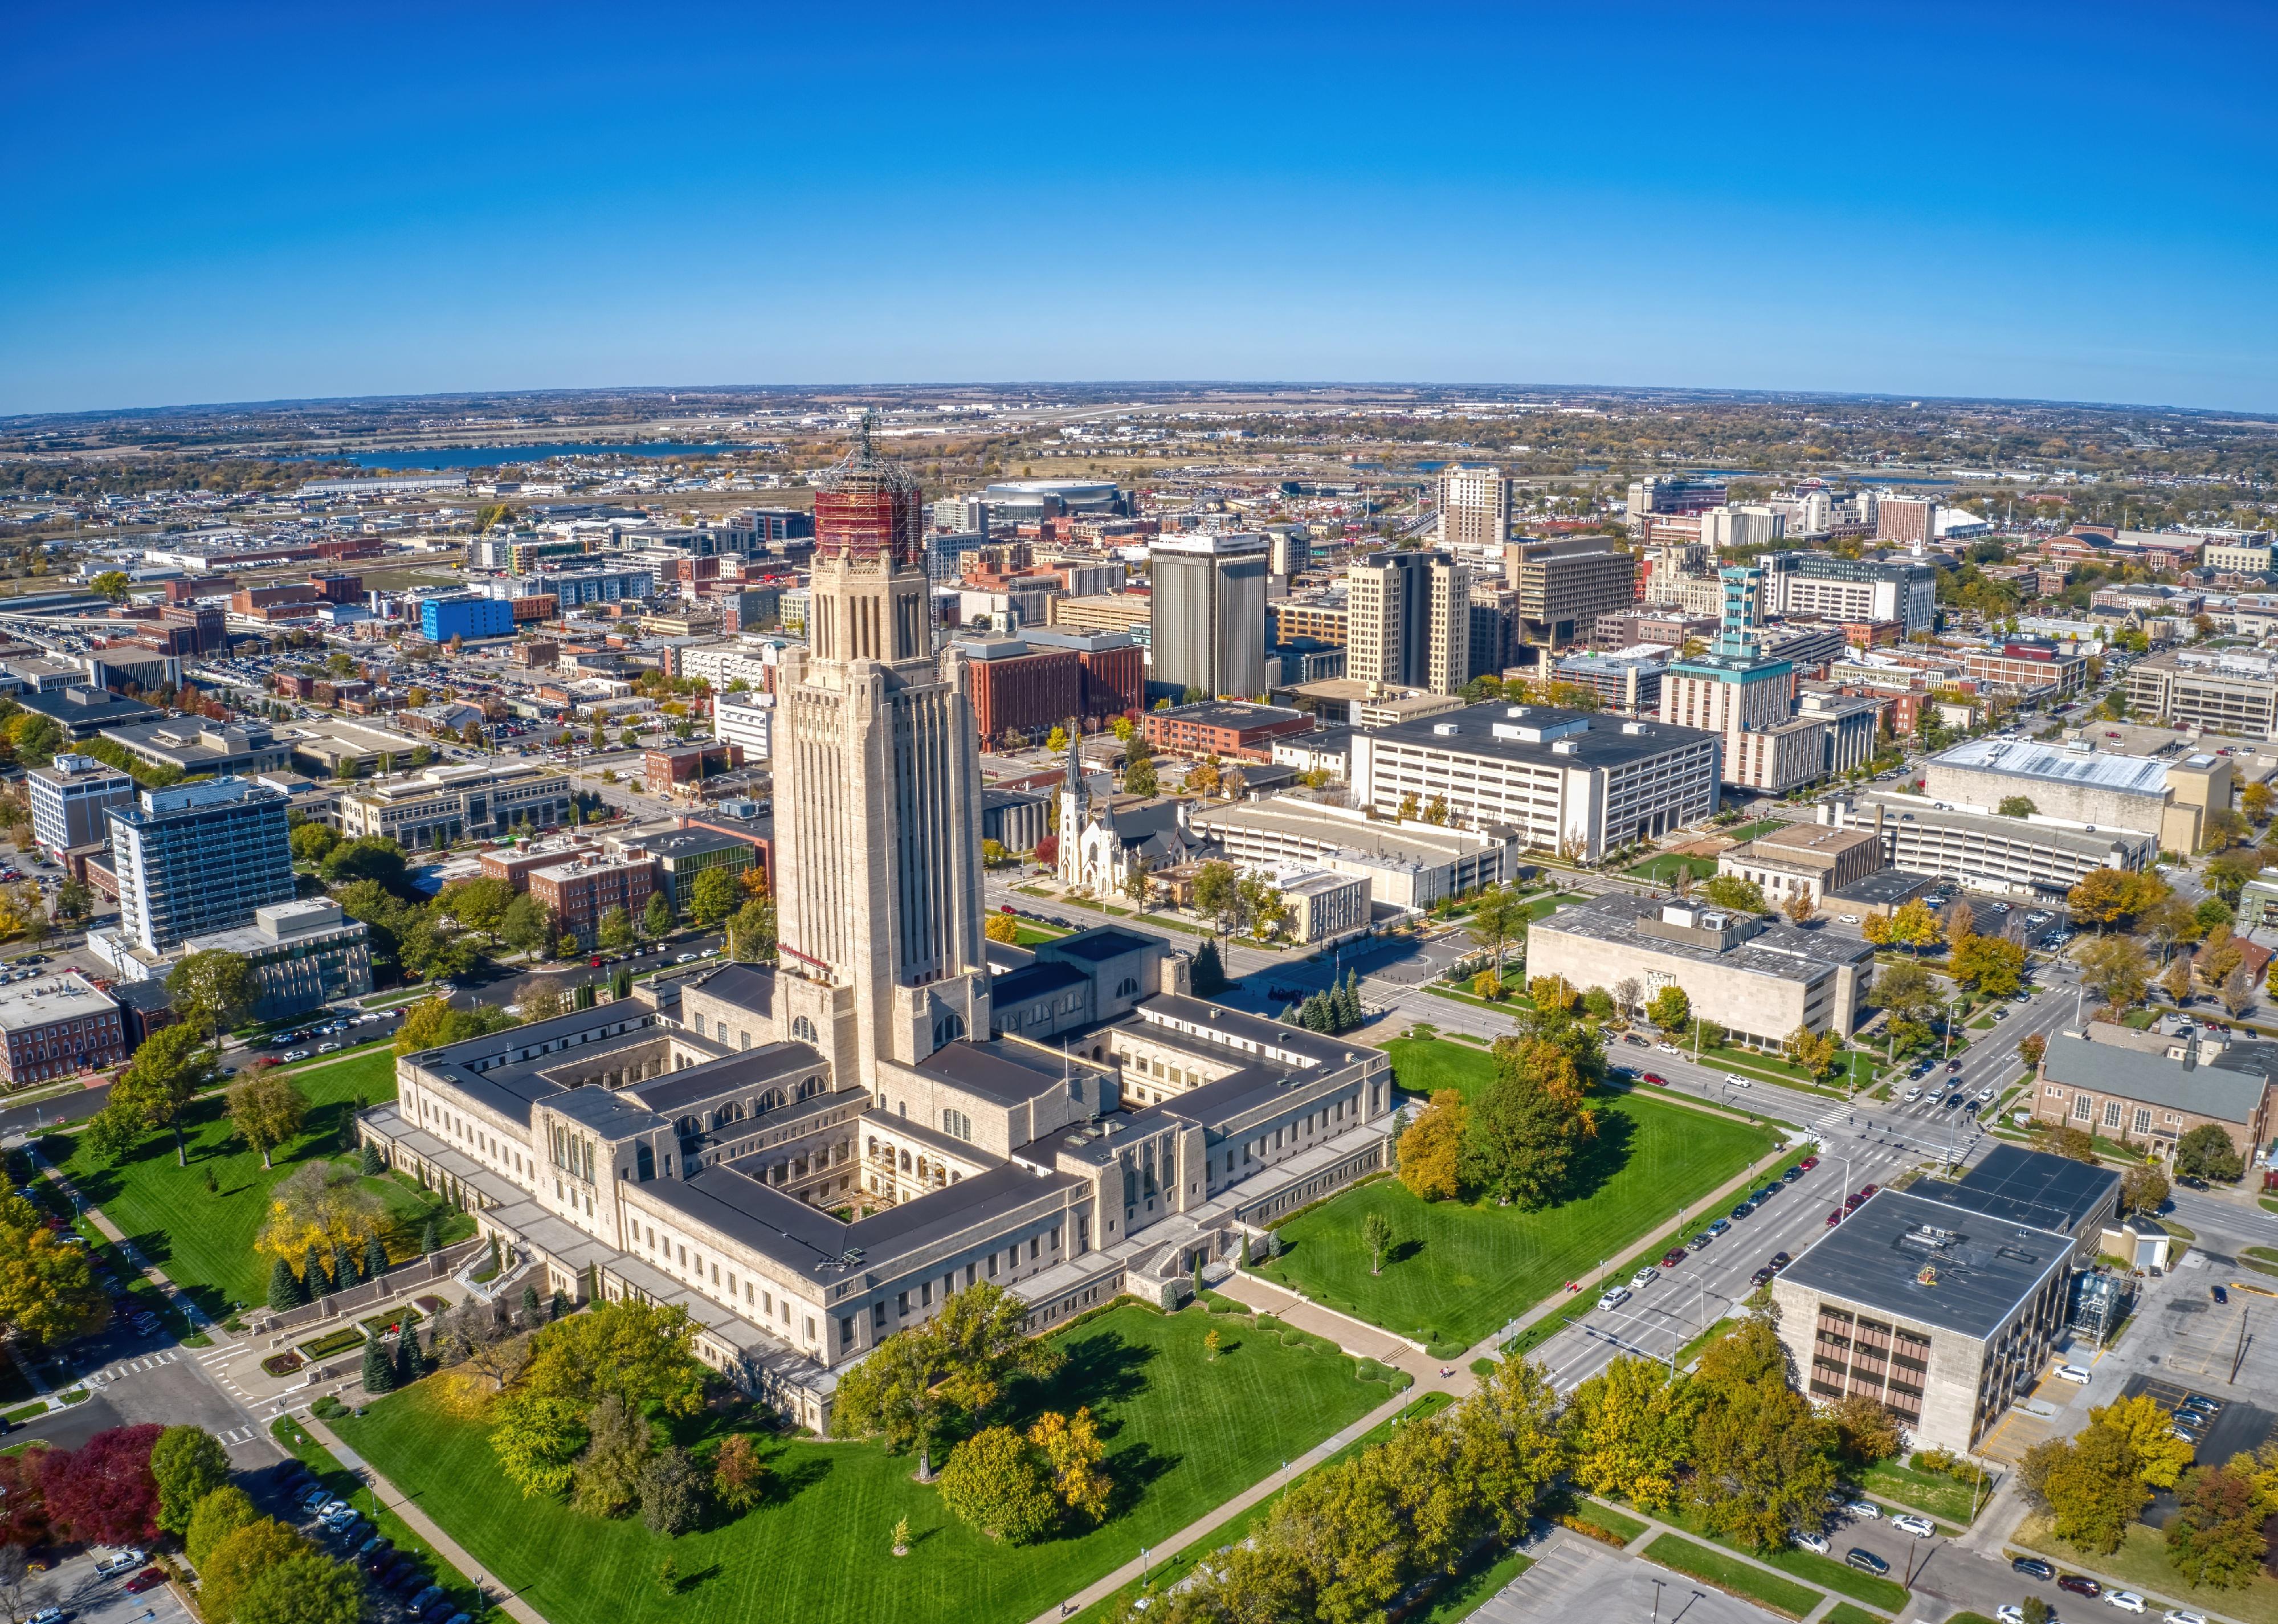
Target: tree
{"points": [[1057, 740], [1001, 927], [2228, 872], [173, 1066], [431, 1024], [2073, 1144], [1865, 1432], [997, 1482], [2090, 1486], [111, 583], [739, 1476], [1763, 1460], [1993, 964], [284, 1290], [2215, 1538], [2142, 1189], [2105, 897], [2114, 968], [1376, 1234], [954, 1364], [1520, 1140], [214, 1519], [379, 1368], [1799, 909], [2016, 806], [1730, 891], [409, 1365], [2206, 1151], [1140, 777], [1815, 1051], [1209, 972], [656, 919], [616, 931], [1216, 894], [526, 927], [266, 1108], [537, 1440], [607, 1472], [638, 1351], [236, 1563], [752, 931], [1630, 1429], [479, 904], [673, 1489], [103, 1493], [1670, 1008], [1876, 929], [372, 857], [1915, 927], [2177, 982], [48, 1289], [1431, 1148], [2161, 1458], [2031, 1048], [1073, 1456], [308, 1588], [1499, 917], [188, 1463], [713, 897]]}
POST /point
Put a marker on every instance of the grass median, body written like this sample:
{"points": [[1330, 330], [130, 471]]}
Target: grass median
{"points": [[1728, 1573]]}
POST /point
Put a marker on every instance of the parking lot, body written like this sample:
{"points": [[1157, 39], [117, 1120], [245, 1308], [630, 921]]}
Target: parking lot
{"points": [[399, 1584]]}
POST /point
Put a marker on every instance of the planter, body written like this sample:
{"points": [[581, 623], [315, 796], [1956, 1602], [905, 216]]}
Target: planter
{"points": [[282, 1364]]}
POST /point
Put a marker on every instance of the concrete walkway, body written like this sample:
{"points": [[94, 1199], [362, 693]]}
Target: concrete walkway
{"points": [[450, 1550], [1354, 1337], [192, 1314]]}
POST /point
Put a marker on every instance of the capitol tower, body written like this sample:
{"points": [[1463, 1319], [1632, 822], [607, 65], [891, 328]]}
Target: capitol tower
{"points": [[877, 797]]}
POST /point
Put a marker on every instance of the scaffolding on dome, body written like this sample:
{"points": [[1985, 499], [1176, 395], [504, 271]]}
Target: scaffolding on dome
{"points": [[868, 505]]}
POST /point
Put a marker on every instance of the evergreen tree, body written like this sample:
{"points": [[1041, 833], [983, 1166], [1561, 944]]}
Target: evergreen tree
{"points": [[1354, 1013], [344, 1266], [372, 1166], [1293, 1016], [285, 1288], [587, 995], [427, 1238], [378, 1369], [409, 1365], [1316, 1017], [312, 1273], [375, 1258], [559, 1308], [530, 1305], [1210, 972]]}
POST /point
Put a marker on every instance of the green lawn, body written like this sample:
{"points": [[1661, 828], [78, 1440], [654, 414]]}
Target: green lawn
{"points": [[1826, 1571], [1933, 1492], [1183, 1434], [350, 1486], [1728, 1573], [1844, 1612], [1661, 868], [204, 1240], [2141, 1563], [1459, 1271]]}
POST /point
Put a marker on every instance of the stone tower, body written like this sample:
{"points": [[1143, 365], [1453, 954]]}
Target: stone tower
{"points": [[877, 796]]}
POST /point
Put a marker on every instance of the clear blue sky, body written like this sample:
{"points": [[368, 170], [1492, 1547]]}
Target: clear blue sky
{"points": [[223, 203]]}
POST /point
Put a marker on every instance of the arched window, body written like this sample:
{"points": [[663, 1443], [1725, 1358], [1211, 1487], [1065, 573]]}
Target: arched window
{"points": [[810, 1088], [1129, 985], [874, 1147], [802, 1030], [905, 1162], [948, 1030], [688, 1127], [732, 1112]]}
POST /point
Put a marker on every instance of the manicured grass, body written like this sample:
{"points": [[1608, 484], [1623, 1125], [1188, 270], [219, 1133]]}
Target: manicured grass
{"points": [[1457, 1270], [2141, 1564], [350, 1486], [1728, 1573], [1625, 1528], [1462, 1595], [1692, 1350], [1026, 935], [1183, 1434], [204, 1240], [1826, 1571], [1662, 867], [1931, 1492], [1844, 1612]]}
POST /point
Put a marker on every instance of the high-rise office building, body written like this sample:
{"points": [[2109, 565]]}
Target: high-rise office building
{"points": [[1207, 628], [1564, 587], [878, 796], [1750, 524], [1408, 621], [69, 799], [1474, 507], [1909, 521], [199, 858]]}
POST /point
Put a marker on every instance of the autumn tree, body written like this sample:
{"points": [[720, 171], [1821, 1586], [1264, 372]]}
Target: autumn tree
{"points": [[48, 1289], [1730, 891], [1907, 990], [919, 1380], [2105, 897], [1629, 1430], [1074, 1456], [739, 1475], [999, 1481], [171, 1068], [237, 1563], [1431, 1148], [1001, 927], [266, 1108], [1993, 964], [2114, 968], [1763, 1460], [2215, 1538], [186, 1464], [1670, 1008], [1915, 927], [1815, 1051], [1523, 1131], [1499, 917], [102, 1492], [212, 990]]}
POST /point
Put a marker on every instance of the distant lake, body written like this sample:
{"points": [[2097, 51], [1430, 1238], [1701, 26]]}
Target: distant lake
{"points": [[494, 457]]}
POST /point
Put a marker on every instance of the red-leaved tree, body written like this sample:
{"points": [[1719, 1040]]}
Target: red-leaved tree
{"points": [[23, 1507], [102, 1493]]}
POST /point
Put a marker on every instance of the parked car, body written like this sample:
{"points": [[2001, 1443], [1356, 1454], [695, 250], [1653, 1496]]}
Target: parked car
{"points": [[2127, 1601], [1718, 1226], [421, 1602], [1817, 1543], [2033, 1567], [149, 1579], [2073, 1373], [1645, 1276], [2009, 1613], [1865, 1560], [2172, 1616], [1763, 1276], [2220, 1295], [1674, 1256], [119, 1561], [1866, 1511], [1807, 1163], [315, 1497], [1614, 1299], [1780, 1260], [2079, 1584], [1741, 1211], [1835, 1216], [1656, 1079], [1699, 1241], [1921, 1527], [1791, 1176]]}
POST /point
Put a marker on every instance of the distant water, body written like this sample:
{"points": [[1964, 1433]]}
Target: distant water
{"points": [[495, 456]]}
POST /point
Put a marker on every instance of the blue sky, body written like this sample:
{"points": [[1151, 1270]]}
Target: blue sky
{"points": [[229, 202]]}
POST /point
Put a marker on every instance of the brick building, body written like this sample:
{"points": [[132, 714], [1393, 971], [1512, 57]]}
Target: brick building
{"points": [[580, 892], [1228, 729], [57, 1026], [676, 766], [1029, 684]]}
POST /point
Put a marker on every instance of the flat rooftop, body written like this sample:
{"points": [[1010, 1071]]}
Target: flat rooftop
{"points": [[1930, 1262], [1528, 733], [2028, 1187], [42, 1002], [1778, 949], [2127, 775], [1333, 830]]}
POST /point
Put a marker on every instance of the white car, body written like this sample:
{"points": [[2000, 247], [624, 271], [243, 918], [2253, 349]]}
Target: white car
{"points": [[327, 1048], [2127, 1601], [1913, 1095], [2009, 1613], [2177, 1616], [1734, 1081], [331, 1509], [1844, 919], [1646, 1276], [2073, 1373], [119, 1561], [1866, 1511], [1614, 1299], [1921, 1527], [1817, 1543], [1987, 1092], [1667, 1048], [290, 1055]]}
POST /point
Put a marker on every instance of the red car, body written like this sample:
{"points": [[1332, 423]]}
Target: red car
{"points": [[1674, 1256], [1835, 1217], [1867, 1190], [149, 1579], [1656, 1079], [1807, 1163]]}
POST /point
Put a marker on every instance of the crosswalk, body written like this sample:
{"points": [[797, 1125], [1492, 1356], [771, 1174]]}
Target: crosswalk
{"points": [[128, 1366]]}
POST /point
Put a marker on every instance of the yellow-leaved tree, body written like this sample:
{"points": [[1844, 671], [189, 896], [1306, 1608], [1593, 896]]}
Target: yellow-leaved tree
{"points": [[323, 1205]]}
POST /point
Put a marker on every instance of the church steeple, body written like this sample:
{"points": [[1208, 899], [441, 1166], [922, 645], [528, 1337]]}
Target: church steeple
{"points": [[1079, 799]]}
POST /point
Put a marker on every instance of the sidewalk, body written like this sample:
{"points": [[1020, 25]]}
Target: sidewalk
{"points": [[426, 1527], [192, 1315]]}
